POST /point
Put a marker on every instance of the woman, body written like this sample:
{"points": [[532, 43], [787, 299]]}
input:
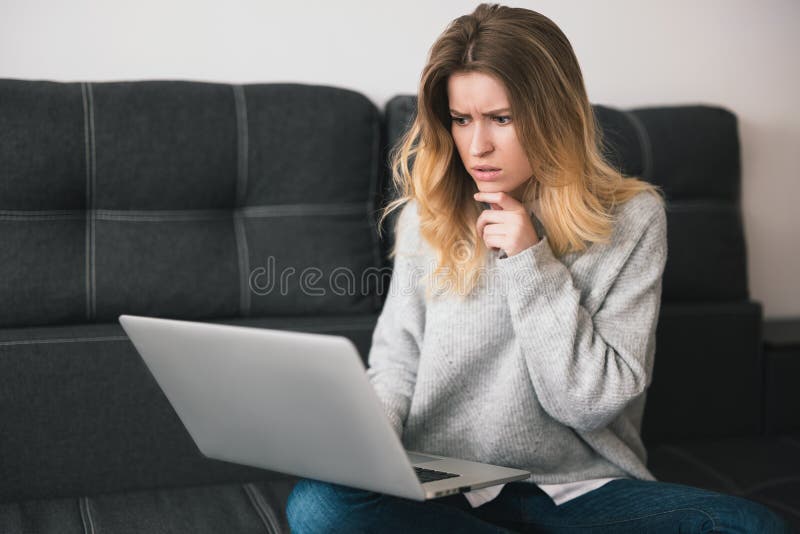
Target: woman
{"points": [[529, 340]]}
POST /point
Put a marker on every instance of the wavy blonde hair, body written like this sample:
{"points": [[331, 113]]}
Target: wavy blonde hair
{"points": [[574, 190]]}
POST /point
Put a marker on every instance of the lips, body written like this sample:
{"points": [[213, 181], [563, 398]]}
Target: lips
{"points": [[485, 173]]}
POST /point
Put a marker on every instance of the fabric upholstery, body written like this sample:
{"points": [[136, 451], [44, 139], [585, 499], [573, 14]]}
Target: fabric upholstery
{"points": [[688, 397], [83, 414], [781, 369], [253, 508], [163, 197], [764, 469]]}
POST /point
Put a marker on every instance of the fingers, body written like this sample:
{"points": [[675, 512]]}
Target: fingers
{"points": [[491, 217], [507, 225], [495, 242], [501, 199]]}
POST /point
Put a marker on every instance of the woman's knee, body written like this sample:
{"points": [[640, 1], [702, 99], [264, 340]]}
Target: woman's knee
{"points": [[316, 506], [737, 514], [762, 519]]}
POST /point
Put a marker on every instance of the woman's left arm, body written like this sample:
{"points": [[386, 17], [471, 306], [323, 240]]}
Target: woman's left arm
{"points": [[586, 368]]}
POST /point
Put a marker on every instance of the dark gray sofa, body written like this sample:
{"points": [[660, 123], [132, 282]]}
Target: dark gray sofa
{"points": [[165, 197]]}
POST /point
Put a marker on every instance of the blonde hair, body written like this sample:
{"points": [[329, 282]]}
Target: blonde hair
{"points": [[574, 189]]}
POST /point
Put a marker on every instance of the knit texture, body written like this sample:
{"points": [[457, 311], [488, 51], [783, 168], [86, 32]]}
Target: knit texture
{"points": [[545, 367]]}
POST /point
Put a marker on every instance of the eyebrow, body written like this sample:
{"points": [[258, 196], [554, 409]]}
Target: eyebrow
{"points": [[487, 114]]}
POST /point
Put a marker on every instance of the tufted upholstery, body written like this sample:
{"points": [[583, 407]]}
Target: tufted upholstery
{"points": [[161, 197]]}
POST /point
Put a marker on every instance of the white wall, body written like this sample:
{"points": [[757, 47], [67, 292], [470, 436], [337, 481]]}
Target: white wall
{"points": [[736, 53]]}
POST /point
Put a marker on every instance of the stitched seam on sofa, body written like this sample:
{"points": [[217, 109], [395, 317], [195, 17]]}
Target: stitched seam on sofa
{"points": [[249, 211], [243, 143], [367, 325], [732, 485], [244, 264], [43, 218], [91, 182], [104, 213], [87, 213], [263, 510], [371, 206], [62, 340], [283, 210], [92, 211], [644, 141], [86, 515], [242, 146], [162, 215], [93, 199], [30, 215]]}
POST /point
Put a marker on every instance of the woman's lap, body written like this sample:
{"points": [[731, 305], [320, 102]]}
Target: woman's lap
{"points": [[321, 507], [625, 505]]}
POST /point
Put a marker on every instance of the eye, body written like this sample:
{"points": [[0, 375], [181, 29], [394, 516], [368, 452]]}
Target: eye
{"points": [[458, 120], [502, 119]]}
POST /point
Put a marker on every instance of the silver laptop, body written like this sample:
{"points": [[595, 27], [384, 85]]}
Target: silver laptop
{"points": [[292, 402]]}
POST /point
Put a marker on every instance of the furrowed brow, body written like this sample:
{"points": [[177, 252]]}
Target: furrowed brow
{"points": [[487, 114]]}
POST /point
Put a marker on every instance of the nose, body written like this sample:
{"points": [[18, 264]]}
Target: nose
{"points": [[481, 143]]}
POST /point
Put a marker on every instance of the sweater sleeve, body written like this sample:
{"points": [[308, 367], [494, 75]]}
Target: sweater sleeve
{"points": [[398, 334], [586, 368]]}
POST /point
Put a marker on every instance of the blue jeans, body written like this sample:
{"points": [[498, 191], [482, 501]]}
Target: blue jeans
{"points": [[623, 505]]}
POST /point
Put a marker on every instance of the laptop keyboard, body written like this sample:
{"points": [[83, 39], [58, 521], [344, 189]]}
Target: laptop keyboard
{"points": [[429, 475]]}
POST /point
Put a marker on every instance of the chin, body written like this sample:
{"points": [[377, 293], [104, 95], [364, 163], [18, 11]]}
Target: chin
{"points": [[493, 187]]}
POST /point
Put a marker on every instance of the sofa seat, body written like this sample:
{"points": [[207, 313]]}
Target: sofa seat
{"points": [[83, 416], [765, 469], [251, 508], [761, 468]]}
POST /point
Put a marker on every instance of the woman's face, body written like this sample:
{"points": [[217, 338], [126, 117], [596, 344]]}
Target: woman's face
{"points": [[484, 134]]}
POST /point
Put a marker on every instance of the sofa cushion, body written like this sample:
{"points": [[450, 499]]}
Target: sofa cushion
{"points": [[169, 198], [250, 508], [781, 370], [764, 469], [82, 415], [42, 146], [707, 375], [692, 151]]}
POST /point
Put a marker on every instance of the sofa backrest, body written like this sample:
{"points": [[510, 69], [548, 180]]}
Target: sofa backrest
{"points": [[170, 198]]}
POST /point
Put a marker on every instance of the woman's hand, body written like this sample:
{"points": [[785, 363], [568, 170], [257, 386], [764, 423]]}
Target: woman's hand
{"points": [[507, 225]]}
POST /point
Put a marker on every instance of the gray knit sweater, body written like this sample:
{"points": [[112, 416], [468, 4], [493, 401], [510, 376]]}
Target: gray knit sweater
{"points": [[544, 368]]}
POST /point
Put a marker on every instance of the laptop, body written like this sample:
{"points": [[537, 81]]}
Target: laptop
{"points": [[293, 402]]}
